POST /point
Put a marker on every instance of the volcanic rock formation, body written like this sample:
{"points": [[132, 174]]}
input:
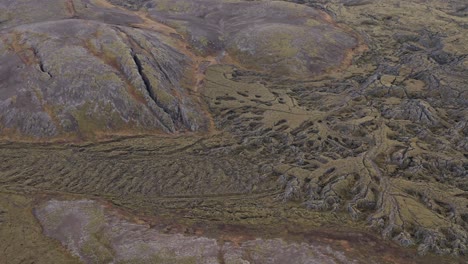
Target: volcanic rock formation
{"points": [[87, 70], [271, 117]]}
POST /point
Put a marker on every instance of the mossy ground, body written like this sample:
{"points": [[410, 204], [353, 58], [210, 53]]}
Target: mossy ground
{"points": [[379, 146]]}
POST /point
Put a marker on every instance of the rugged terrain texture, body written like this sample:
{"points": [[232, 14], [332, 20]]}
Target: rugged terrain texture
{"points": [[86, 70], [348, 115]]}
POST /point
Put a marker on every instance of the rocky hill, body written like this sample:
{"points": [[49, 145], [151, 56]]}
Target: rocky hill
{"points": [[87, 69], [260, 130]]}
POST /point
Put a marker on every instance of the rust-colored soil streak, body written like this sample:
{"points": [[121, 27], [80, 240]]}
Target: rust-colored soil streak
{"points": [[71, 8]]}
